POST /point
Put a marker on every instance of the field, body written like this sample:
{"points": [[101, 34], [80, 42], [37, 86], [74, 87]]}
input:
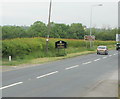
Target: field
{"points": [[25, 49]]}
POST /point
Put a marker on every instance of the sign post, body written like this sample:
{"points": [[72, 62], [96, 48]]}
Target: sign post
{"points": [[10, 58], [89, 38], [59, 45]]}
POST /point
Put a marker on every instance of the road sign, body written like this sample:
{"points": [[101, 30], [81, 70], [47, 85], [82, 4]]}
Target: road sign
{"points": [[117, 37], [89, 38], [60, 44]]}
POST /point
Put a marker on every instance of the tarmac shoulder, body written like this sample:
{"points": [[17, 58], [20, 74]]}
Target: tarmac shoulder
{"points": [[105, 88]]}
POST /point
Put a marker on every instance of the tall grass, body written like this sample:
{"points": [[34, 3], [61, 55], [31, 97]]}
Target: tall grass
{"points": [[21, 48]]}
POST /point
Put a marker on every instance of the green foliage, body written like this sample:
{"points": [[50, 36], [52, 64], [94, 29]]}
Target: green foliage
{"points": [[72, 31], [103, 34], [20, 48], [9, 32], [59, 30], [38, 29], [76, 30]]}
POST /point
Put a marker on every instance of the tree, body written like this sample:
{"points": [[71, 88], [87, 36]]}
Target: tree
{"points": [[38, 29], [77, 31], [12, 32], [73, 31], [59, 30]]}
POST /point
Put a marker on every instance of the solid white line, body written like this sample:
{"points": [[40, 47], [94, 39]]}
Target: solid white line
{"points": [[104, 57], [71, 67], [114, 54], [87, 62], [97, 59], [46, 74], [11, 85]]}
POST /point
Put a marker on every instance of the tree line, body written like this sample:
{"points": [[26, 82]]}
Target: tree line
{"points": [[72, 31]]}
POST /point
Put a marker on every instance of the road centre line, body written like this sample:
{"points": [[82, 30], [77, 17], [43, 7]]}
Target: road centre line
{"points": [[11, 85], [97, 59], [71, 67], [18, 83], [115, 53], [87, 62], [46, 74], [110, 55], [104, 57]]}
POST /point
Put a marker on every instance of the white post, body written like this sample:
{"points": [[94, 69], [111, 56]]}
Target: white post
{"points": [[10, 58]]}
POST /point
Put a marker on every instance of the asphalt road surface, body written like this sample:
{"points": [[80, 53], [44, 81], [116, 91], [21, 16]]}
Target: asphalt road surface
{"points": [[64, 78]]}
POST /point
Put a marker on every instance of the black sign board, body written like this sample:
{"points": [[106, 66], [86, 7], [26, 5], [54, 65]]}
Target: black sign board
{"points": [[60, 44]]}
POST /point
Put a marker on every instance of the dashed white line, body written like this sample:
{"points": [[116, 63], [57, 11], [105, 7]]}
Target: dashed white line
{"points": [[97, 59], [104, 57], [110, 55], [71, 67], [87, 62], [46, 74], [11, 85], [115, 54]]}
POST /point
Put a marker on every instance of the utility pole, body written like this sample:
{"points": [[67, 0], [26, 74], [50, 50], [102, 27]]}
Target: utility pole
{"points": [[48, 32], [91, 26]]}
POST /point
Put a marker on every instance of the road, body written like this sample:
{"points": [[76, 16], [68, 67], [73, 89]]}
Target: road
{"points": [[71, 77]]}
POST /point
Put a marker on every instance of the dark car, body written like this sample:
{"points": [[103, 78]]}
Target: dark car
{"points": [[117, 46]]}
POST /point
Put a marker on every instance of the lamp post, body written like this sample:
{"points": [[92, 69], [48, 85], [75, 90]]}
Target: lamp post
{"points": [[91, 21], [48, 33]]}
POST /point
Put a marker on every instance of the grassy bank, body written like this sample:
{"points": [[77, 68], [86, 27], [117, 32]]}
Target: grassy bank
{"points": [[42, 60], [32, 50]]}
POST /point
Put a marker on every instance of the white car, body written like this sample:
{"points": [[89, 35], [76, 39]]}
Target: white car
{"points": [[102, 50]]}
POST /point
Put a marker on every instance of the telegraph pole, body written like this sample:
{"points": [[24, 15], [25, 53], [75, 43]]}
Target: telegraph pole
{"points": [[48, 32]]}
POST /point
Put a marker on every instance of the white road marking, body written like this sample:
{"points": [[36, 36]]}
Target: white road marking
{"points": [[87, 62], [104, 57], [71, 67], [97, 59], [115, 53], [11, 85], [110, 55], [46, 74]]}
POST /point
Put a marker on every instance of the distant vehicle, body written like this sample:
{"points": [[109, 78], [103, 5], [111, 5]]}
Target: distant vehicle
{"points": [[117, 46], [102, 50]]}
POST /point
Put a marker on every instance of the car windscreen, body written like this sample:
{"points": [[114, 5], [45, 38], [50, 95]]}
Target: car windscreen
{"points": [[101, 47]]}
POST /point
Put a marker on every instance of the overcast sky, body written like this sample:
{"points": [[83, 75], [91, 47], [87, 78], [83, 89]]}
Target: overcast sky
{"points": [[26, 12]]}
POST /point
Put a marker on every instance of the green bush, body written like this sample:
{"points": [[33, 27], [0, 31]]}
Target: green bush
{"points": [[35, 47]]}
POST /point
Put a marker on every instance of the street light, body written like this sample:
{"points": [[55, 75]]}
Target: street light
{"points": [[47, 39], [91, 21]]}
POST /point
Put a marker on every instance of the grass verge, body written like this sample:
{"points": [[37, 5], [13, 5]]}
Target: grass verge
{"points": [[41, 60], [31, 61]]}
